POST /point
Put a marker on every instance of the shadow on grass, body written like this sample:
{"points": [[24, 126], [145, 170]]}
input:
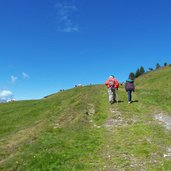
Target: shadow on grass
{"points": [[120, 101], [116, 102], [135, 101]]}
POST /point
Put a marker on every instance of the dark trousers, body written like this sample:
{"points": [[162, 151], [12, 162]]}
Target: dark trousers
{"points": [[129, 95]]}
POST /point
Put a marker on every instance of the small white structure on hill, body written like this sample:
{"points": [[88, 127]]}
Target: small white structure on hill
{"points": [[79, 85], [11, 100]]}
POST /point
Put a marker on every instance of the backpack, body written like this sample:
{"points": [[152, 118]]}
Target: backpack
{"points": [[111, 83]]}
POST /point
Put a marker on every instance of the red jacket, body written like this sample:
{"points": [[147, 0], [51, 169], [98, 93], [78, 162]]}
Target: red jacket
{"points": [[112, 82]]}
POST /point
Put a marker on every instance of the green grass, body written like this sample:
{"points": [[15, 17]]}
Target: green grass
{"points": [[154, 88], [70, 130], [53, 133]]}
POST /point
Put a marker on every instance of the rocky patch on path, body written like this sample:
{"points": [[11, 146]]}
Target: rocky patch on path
{"points": [[164, 120], [116, 120]]}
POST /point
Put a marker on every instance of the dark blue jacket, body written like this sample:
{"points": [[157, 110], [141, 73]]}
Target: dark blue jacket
{"points": [[129, 86]]}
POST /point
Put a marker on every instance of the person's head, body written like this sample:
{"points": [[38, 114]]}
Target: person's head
{"points": [[111, 76], [131, 78]]}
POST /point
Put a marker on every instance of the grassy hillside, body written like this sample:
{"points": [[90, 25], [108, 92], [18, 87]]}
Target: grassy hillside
{"points": [[155, 88], [78, 129], [56, 133]]}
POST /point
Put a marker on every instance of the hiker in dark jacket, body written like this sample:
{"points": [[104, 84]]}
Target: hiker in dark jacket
{"points": [[129, 87]]}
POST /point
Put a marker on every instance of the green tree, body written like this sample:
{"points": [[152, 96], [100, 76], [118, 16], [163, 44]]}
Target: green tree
{"points": [[137, 73], [142, 71], [150, 69], [158, 66], [165, 64]]}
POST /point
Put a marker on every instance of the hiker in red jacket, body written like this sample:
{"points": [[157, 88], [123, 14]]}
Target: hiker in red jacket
{"points": [[112, 84]]}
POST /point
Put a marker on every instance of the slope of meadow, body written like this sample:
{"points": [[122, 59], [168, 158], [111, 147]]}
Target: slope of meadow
{"points": [[78, 130]]}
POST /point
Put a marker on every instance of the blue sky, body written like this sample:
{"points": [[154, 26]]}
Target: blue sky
{"points": [[48, 45]]}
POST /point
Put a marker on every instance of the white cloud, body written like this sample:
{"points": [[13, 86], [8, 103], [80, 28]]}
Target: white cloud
{"points": [[5, 94], [13, 79], [25, 76], [69, 28], [65, 11]]}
